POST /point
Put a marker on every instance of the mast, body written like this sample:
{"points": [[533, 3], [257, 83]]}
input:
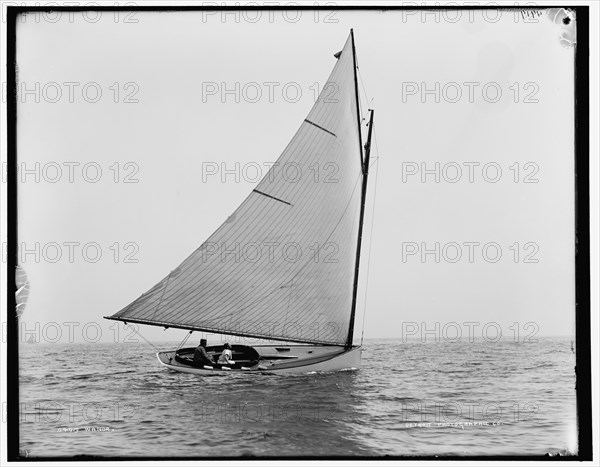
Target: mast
{"points": [[360, 145], [365, 171]]}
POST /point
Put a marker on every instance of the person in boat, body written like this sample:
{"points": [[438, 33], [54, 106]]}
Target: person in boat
{"points": [[201, 356], [226, 355]]}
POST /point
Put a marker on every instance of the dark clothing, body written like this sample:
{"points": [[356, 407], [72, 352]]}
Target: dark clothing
{"points": [[201, 357]]}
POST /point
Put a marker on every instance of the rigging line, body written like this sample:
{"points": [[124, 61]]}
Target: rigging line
{"points": [[376, 161], [184, 340], [135, 330], [369, 256], [362, 83], [375, 139], [358, 76], [359, 118]]}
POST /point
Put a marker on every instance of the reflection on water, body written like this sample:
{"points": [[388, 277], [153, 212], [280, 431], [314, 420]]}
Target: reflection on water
{"points": [[477, 398]]}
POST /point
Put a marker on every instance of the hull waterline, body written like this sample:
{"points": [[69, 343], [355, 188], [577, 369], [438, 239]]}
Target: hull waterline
{"points": [[280, 360]]}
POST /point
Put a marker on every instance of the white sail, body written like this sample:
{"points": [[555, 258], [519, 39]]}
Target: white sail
{"points": [[282, 266]]}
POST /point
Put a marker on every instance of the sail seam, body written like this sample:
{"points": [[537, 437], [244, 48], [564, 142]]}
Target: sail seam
{"points": [[209, 304], [268, 294], [306, 149], [264, 297], [320, 127], [273, 197]]}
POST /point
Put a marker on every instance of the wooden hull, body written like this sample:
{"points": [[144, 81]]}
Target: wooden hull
{"points": [[280, 359]]}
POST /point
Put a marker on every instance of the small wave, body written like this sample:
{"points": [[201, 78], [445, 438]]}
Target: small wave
{"points": [[539, 365], [82, 377]]}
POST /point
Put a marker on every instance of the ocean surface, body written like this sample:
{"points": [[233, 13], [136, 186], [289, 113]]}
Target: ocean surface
{"points": [[408, 399]]}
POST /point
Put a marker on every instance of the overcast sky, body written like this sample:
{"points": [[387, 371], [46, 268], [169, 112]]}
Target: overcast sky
{"points": [[163, 119]]}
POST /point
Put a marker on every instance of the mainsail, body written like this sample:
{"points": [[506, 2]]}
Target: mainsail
{"points": [[282, 266]]}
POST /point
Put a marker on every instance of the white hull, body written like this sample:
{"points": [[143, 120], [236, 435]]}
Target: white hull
{"points": [[285, 359]]}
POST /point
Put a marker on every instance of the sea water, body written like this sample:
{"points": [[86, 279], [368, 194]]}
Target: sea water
{"points": [[408, 399]]}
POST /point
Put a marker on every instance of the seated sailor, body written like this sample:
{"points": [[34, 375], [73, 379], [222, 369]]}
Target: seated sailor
{"points": [[201, 357], [226, 355]]}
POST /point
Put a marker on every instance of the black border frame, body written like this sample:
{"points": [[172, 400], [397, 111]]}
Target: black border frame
{"points": [[582, 237]]}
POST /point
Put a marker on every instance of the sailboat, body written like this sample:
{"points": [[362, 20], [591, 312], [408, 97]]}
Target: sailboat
{"points": [[284, 267]]}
